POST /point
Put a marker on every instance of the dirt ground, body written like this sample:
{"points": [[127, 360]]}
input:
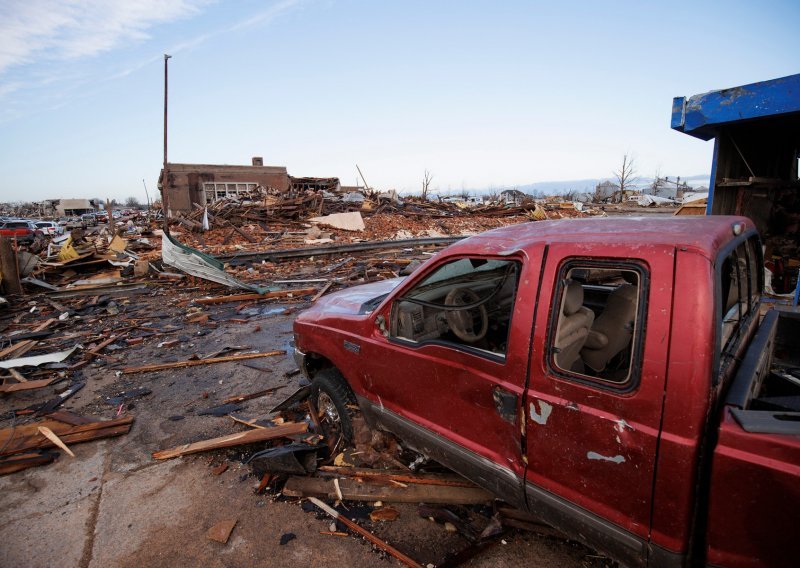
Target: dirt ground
{"points": [[114, 505]]}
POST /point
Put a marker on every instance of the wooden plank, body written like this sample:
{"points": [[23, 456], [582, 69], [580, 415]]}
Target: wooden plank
{"points": [[50, 435], [27, 437], [356, 491], [243, 297], [407, 560], [194, 363], [17, 375], [71, 418], [243, 397], [19, 462], [249, 437], [26, 345], [445, 479], [319, 294], [27, 385]]}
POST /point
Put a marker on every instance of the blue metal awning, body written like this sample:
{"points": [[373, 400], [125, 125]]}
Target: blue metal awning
{"points": [[702, 115]]}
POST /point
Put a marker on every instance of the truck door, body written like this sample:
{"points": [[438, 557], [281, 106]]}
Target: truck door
{"points": [[595, 389], [453, 378]]}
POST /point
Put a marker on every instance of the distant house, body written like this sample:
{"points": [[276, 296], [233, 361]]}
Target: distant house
{"points": [[606, 191], [70, 207], [512, 196]]}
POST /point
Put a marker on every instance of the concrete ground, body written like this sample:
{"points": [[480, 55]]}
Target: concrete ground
{"points": [[114, 505]]}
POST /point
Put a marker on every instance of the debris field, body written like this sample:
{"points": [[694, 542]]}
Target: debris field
{"points": [[151, 413]]}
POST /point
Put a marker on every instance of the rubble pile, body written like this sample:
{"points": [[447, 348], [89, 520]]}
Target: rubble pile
{"points": [[266, 219], [108, 317]]}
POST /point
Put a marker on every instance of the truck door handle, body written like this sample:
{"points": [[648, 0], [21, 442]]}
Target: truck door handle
{"points": [[506, 404]]}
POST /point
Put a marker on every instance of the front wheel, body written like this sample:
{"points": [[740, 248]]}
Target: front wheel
{"points": [[336, 404]]}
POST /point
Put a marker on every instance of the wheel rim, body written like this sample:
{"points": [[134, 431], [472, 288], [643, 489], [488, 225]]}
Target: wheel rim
{"points": [[327, 408], [329, 418]]}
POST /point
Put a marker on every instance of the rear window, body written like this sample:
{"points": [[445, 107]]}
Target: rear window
{"points": [[740, 281], [597, 324]]}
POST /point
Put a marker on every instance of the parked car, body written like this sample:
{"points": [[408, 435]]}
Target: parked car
{"points": [[609, 376], [101, 217], [75, 222], [50, 228], [20, 229], [89, 219]]}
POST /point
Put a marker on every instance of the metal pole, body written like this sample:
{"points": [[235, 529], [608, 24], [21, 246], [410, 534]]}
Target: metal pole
{"points": [[148, 198], [165, 179]]}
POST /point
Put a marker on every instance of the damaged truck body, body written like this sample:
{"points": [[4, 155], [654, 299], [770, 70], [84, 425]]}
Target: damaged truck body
{"points": [[612, 377]]}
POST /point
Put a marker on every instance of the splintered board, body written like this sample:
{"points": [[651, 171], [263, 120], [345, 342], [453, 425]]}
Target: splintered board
{"points": [[357, 491], [249, 437], [27, 437]]}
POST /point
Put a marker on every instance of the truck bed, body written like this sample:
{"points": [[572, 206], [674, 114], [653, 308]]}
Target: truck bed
{"points": [[765, 394]]}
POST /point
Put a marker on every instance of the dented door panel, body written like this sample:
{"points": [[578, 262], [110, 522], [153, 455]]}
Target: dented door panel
{"points": [[592, 445]]}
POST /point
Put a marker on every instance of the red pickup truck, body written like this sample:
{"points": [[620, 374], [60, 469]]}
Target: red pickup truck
{"points": [[20, 229], [611, 376]]}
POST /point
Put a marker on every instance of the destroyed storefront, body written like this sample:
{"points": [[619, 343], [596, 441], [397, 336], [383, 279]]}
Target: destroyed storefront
{"points": [[200, 184], [756, 132]]}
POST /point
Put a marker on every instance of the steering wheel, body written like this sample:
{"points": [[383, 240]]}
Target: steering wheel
{"points": [[463, 322]]}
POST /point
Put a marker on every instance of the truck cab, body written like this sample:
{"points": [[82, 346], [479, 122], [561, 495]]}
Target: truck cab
{"points": [[580, 370]]}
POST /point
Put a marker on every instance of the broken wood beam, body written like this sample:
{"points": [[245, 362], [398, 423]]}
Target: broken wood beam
{"points": [[27, 385], [444, 479], [254, 296], [319, 294], [194, 363], [243, 397], [249, 437], [25, 438], [407, 560], [355, 491], [19, 462]]}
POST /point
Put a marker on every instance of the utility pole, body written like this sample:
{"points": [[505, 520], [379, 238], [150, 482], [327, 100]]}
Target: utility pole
{"points": [[165, 178], [148, 198]]}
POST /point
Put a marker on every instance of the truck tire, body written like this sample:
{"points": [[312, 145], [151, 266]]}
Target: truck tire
{"points": [[336, 405]]}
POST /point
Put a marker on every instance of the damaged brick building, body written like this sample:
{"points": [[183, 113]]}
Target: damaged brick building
{"points": [[205, 183]]}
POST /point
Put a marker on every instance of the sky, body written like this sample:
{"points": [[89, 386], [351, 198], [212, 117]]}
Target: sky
{"points": [[481, 94]]}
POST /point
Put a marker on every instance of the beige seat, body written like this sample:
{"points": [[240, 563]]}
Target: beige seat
{"points": [[573, 326], [613, 329]]}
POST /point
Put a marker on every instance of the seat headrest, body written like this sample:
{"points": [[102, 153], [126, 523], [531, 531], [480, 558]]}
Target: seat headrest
{"points": [[573, 297]]}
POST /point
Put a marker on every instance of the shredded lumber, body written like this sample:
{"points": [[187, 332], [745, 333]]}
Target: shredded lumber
{"points": [[398, 475], [249, 437], [244, 297], [19, 462], [27, 385], [27, 437], [408, 561], [48, 433], [356, 491], [243, 397], [193, 363]]}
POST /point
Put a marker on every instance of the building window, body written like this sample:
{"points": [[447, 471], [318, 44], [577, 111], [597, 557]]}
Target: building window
{"points": [[215, 191], [466, 303], [596, 334]]}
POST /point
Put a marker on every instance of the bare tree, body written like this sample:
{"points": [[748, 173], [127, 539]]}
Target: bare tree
{"points": [[626, 175], [132, 203], [426, 183]]}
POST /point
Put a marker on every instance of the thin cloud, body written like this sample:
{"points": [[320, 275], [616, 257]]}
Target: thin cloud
{"points": [[262, 18], [33, 31]]}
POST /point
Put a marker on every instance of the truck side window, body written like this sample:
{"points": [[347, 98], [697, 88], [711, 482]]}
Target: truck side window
{"points": [[597, 322], [467, 303], [740, 288]]}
